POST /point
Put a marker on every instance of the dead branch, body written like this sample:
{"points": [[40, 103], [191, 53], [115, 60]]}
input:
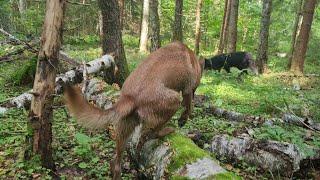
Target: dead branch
{"points": [[18, 40], [287, 116]]}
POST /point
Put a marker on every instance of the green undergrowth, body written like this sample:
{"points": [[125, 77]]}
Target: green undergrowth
{"points": [[79, 153], [24, 74], [261, 95]]}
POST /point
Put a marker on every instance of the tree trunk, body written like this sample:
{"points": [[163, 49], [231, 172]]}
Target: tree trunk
{"points": [[154, 26], [198, 27], [177, 26], [144, 27], [43, 89], [264, 36], [121, 9], [301, 46], [112, 40], [232, 29], [223, 30], [297, 24], [22, 5]]}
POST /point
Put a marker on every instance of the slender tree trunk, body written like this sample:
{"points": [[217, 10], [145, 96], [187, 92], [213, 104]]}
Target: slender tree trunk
{"points": [[22, 6], [226, 30], [297, 24], [224, 26], [301, 46], [232, 30], [112, 40], [264, 36], [198, 27], [177, 26], [121, 9], [40, 134], [154, 26], [144, 27]]}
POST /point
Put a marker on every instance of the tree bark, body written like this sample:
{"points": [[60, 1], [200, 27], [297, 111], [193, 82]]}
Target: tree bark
{"points": [[264, 36], [177, 26], [297, 24], [154, 26], [232, 29], [144, 27], [41, 106], [270, 156], [22, 5], [302, 40], [121, 9], [112, 40], [198, 27], [225, 24]]}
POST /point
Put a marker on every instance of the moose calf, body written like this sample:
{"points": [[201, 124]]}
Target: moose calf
{"points": [[150, 96]]}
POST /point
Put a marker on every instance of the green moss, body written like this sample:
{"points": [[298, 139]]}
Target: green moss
{"points": [[225, 176], [185, 151], [179, 178]]}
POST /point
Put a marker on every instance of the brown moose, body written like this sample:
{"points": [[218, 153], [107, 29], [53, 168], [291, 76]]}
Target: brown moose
{"points": [[150, 96]]}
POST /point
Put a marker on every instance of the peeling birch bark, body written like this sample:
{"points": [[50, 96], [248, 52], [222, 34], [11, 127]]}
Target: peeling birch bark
{"points": [[71, 77], [278, 157]]}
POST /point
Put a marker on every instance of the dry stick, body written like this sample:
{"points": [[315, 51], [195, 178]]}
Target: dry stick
{"points": [[288, 108], [18, 40], [298, 118], [6, 57], [62, 55]]}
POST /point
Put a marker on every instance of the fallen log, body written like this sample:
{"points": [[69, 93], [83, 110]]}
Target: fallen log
{"points": [[71, 77], [269, 156], [174, 156], [289, 118]]}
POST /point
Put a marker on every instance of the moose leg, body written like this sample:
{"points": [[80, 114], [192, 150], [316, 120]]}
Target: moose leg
{"points": [[124, 129], [187, 103], [153, 123]]}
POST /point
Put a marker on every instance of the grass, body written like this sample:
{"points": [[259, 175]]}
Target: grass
{"points": [[79, 153]]}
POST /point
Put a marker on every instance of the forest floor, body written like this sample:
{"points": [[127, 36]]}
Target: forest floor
{"points": [[79, 153]]}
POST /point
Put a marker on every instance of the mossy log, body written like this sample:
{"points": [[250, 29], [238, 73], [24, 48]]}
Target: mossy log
{"points": [[174, 157], [271, 156]]}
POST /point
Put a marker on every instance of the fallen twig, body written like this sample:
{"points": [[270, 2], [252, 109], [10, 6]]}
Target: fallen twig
{"points": [[18, 40]]}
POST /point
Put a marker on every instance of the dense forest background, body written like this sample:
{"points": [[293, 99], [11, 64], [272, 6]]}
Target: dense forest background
{"points": [[82, 23], [264, 100]]}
